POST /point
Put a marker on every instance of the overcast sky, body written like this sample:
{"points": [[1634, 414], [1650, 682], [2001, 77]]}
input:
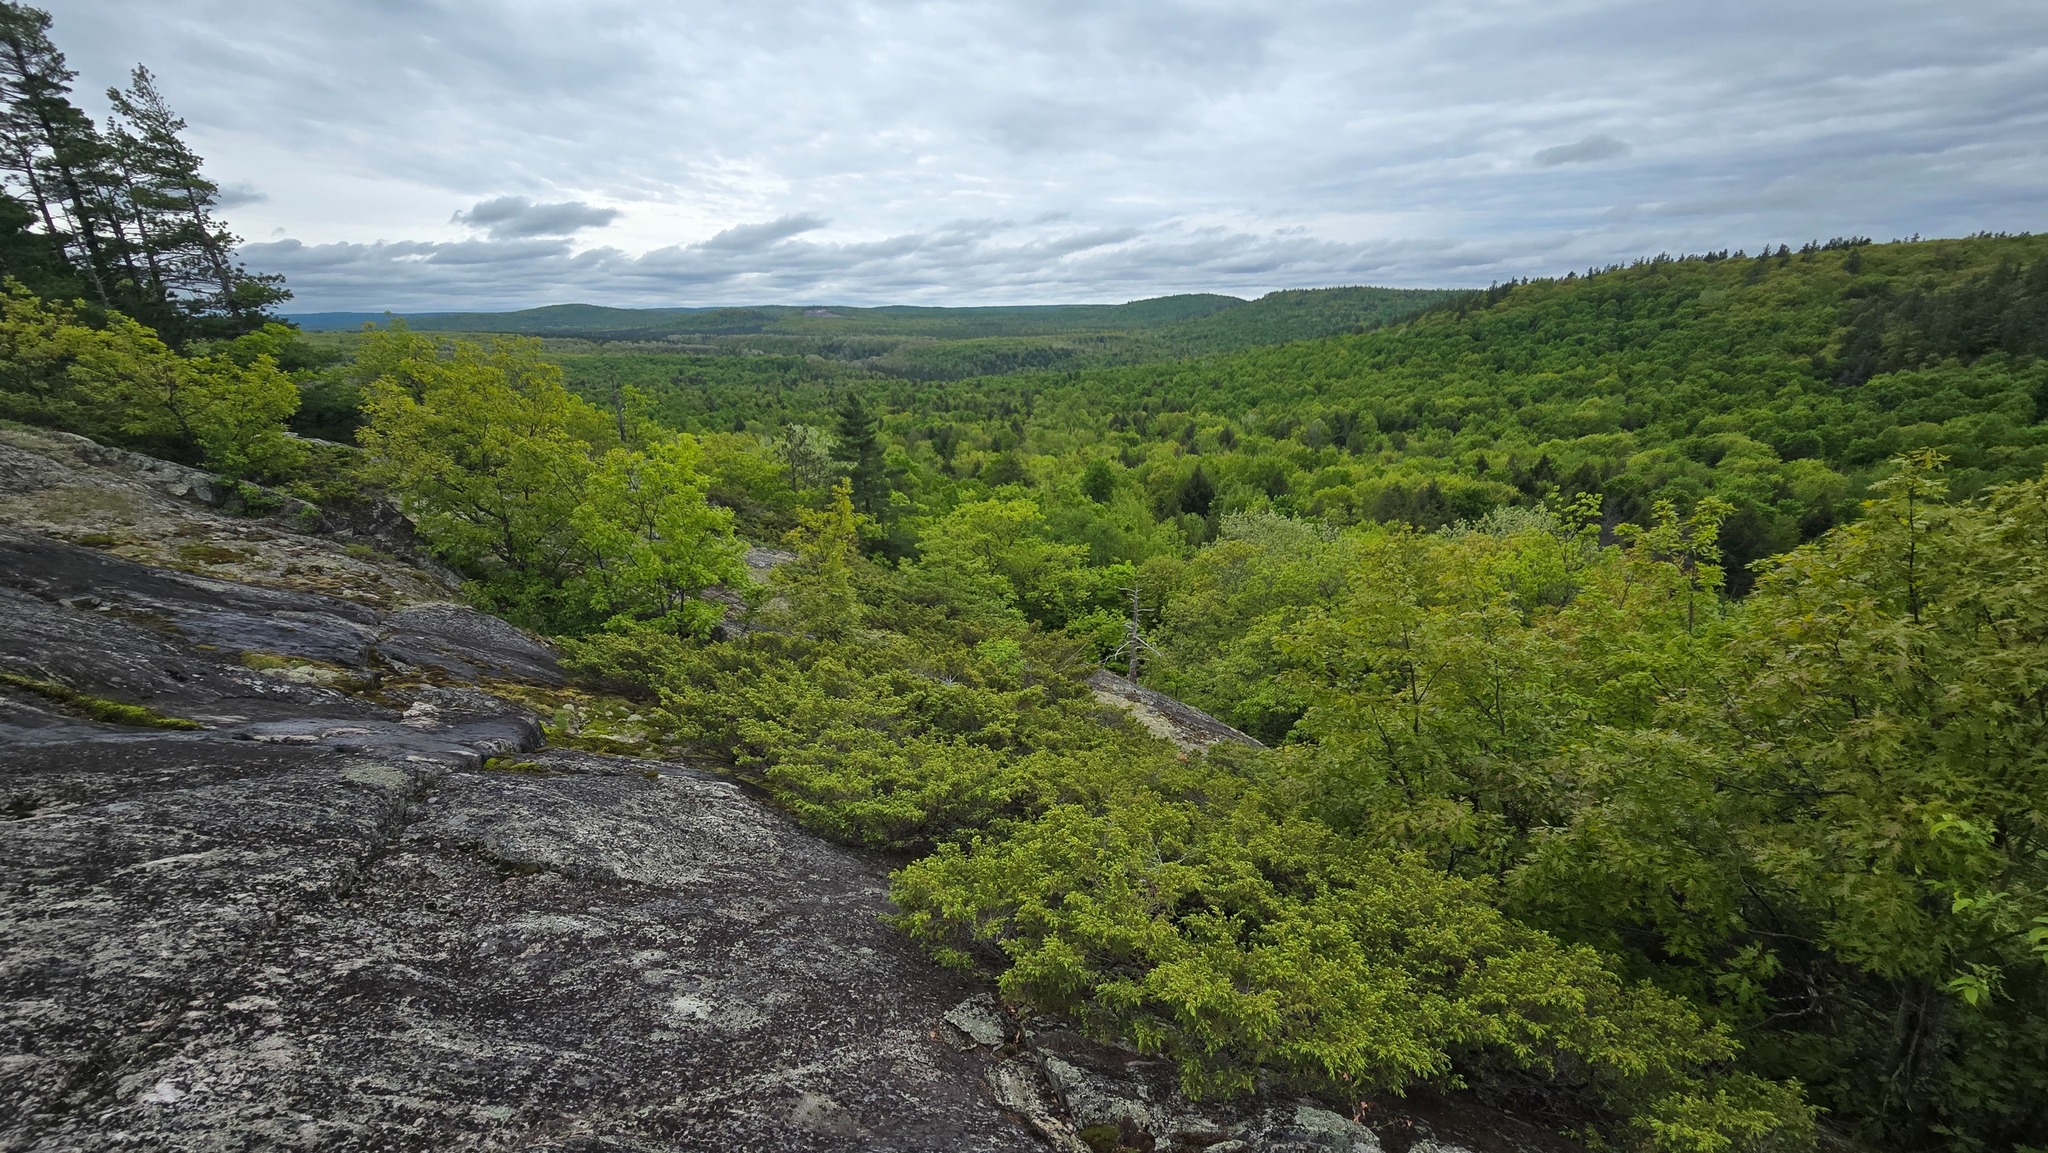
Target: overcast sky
{"points": [[440, 154]]}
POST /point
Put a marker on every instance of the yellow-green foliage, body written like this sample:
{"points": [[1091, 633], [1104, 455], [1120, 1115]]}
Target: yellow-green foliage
{"points": [[1548, 805], [533, 492], [118, 381], [1216, 909], [1191, 914]]}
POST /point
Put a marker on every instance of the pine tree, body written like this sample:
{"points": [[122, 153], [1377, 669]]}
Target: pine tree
{"points": [[1196, 494], [129, 209], [860, 446], [170, 202], [50, 145], [36, 259]]}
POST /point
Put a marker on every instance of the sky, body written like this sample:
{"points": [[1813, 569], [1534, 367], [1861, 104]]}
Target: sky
{"points": [[447, 154]]}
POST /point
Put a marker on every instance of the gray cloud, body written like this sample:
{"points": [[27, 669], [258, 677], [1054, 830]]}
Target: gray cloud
{"points": [[1005, 150], [754, 237], [238, 194], [506, 217], [1600, 147], [924, 267]]}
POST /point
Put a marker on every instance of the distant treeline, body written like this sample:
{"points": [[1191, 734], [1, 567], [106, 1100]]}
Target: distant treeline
{"points": [[943, 343]]}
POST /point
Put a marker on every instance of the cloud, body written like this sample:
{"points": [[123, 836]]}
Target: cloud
{"points": [[936, 266], [1601, 147], [754, 237], [512, 216], [238, 194], [1019, 150]]}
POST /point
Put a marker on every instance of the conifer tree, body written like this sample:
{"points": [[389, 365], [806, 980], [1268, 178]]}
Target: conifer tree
{"points": [[36, 259], [860, 446], [129, 208], [49, 144], [171, 202]]}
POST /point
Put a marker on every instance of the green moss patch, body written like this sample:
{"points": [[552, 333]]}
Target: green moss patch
{"points": [[513, 765], [98, 708], [588, 722], [306, 671]]}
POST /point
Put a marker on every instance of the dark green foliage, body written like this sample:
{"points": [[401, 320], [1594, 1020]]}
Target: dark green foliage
{"points": [[860, 447], [34, 259], [1196, 495], [125, 208], [2004, 311], [1098, 481]]}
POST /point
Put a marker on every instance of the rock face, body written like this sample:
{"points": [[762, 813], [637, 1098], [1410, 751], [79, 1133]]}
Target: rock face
{"points": [[312, 947], [1189, 728], [88, 619], [325, 922], [58, 485], [1082, 1095]]}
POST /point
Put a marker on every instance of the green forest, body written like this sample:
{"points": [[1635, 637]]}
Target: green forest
{"points": [[1651, 662]]}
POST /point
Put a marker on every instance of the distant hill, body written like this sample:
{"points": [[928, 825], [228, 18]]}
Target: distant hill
{"points": [[1201, 318], [550, 320], [592, 321], [922, 343]]}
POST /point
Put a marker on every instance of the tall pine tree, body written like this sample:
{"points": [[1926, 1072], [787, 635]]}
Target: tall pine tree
{"points": [[129, 209], [171, 203], [860, 446], [51, 146]]}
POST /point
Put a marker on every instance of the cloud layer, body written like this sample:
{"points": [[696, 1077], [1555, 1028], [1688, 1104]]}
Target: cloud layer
{"points": [[967, 260], [481, 153], [1600, 147], [511, 217]]}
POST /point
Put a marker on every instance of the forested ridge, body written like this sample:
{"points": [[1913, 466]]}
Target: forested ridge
{"points": [[716, 344], [1781, 383], [1653, 661]]}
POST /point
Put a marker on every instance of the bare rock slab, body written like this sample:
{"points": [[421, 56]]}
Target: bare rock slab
{"points": [[297, 948], [322, 923]]}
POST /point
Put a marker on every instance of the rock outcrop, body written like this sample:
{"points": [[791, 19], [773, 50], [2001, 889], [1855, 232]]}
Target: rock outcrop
{"points": [[1188, 728], [69, 488], [387, 919]]}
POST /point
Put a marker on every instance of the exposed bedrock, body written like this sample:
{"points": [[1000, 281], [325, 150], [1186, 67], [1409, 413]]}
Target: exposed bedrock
{"points": [[326, 923]]}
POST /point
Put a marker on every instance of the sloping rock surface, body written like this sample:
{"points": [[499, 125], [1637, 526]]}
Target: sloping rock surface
{"points": [[67, 487], [326, 922], [1189, 728]]}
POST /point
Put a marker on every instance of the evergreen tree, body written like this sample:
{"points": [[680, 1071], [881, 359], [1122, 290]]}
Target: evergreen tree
{"points": [[129, 209], [170, 203], [1196, 494], [51, 146], [36, 259], [860, 447]]}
